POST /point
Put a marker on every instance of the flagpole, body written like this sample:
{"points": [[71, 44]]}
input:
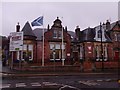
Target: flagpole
{"points": [[62, 47], [43, 47], [39, 22]]}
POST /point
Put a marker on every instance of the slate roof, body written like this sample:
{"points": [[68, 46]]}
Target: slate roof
{"points": [[87, 35], [27, 30], [39, 33]]}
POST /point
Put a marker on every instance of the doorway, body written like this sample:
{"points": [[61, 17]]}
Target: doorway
{"points": [[116, 56]]}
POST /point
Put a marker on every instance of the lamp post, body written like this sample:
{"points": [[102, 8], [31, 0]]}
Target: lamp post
{"points": [[54, 56], [101, 48]]}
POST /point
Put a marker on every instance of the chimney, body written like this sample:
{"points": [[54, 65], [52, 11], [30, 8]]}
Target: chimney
{"points": [[66, 28], [48, 27], [108, 26], [77, 32], [18, 28]]}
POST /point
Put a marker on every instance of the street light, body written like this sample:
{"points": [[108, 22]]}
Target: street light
{"points": [[54, 56], [101, 48]]}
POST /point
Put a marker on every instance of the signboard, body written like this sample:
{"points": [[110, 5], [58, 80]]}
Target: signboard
{"points": [[16, 41], [68, 54]]}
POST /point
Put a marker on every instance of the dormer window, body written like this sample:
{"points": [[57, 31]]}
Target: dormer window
{"points": [[99, 34]]}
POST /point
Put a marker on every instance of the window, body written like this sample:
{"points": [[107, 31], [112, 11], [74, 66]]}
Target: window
{"points": [[99, 34], [57, 51], [30, 52], [117, 37], [60, 35], [51, 46], [105, 53], [97, 53], [57, 46], [27, 52], [55, 34], [81, 52]]}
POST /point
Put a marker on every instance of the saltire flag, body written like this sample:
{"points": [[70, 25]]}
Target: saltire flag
{"points": [[38, 21]]}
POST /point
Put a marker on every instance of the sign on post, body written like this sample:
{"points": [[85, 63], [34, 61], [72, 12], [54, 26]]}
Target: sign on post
{"points": [[16, 41]]}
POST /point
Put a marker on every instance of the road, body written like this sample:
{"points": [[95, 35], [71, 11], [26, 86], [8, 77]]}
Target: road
{"points": [[79, 82]]}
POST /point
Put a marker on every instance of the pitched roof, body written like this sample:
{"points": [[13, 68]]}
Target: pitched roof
{"points": [[27, 30], [39, 33], [87, 35]]}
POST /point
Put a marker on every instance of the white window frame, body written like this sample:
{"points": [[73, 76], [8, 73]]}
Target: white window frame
{"points": [[30, 48]]}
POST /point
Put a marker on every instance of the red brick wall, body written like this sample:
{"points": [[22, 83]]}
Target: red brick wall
{"points": [[39, 52], [48, 37], [89, 52]]}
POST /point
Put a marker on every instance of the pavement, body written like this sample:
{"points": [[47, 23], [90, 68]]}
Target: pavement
{"points": [[7, 72]]}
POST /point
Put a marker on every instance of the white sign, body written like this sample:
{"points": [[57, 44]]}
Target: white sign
{"points": [[68, 54], [16, 41], [89, 47]]}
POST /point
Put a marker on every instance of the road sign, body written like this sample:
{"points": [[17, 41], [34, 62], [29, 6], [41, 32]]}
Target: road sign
{"points": [[16, 41]]}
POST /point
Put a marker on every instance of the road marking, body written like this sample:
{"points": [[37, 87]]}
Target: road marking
{"points": [[46, 82], [67, 86], [6, 85], [99, 80], [36, 84], [50, 84], [108, 80], [20, 85], [89, 83]]}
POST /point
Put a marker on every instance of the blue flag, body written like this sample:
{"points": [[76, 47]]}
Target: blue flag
{"points": [[38, 21]]}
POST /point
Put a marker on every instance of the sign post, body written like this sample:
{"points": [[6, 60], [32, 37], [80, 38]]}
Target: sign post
{"points": [[16, 44]]}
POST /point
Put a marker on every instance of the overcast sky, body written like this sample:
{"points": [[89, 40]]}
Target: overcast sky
{"points": [[84, 14]]}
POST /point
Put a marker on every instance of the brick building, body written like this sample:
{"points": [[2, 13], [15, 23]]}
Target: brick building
{"points": [[96, 52], [53, 45], [84, 48]]}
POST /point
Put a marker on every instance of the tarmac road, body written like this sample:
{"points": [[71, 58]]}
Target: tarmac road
{"points": [[72, 82]]}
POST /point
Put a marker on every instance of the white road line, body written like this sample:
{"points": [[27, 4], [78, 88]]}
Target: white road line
{"points": [[36, 84], [99, 80], [50, 84], [89, 83], [6, 85], [108, 80], [68, 87], [20, 85], [46, 82]]}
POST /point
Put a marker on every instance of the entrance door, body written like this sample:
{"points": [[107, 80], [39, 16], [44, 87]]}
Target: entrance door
{"points": [[116, 56], [75, 56]]}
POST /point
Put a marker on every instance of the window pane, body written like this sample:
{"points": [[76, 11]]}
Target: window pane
{"points": [[57, 46], [55, 34], [30, 47], [51, 46], [24, 47], [63, 46], [57, 54], [60, 35]]}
